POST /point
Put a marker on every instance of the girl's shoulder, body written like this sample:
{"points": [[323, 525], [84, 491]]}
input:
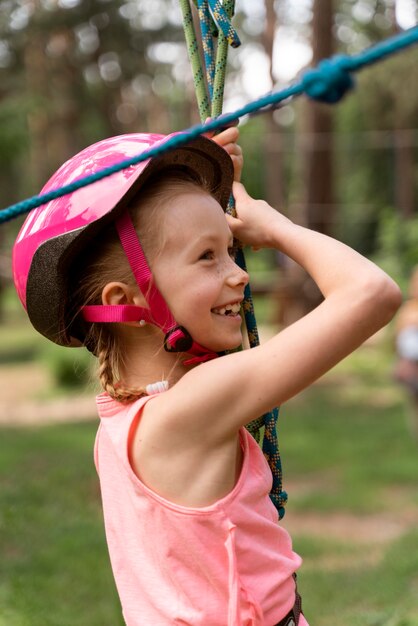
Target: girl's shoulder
{"points": [[181, 465]]}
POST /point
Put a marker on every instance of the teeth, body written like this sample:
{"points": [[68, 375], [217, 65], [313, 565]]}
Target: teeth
{"points": [[231, 308]]}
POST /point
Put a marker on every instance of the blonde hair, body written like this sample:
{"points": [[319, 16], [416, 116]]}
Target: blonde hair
{"points": [[105, 262]]}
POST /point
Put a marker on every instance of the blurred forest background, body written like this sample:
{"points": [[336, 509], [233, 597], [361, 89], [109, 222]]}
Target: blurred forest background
{"points": [[75, 71]]}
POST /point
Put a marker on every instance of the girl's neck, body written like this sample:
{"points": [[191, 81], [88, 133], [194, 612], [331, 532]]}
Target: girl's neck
{"points": [[146, 361]]}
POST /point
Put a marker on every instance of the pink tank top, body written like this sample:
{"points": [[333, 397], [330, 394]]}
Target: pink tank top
{"points": [[227, 564]]}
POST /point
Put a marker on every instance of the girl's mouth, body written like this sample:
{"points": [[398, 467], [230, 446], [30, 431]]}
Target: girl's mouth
{"points": [[227, 310]]}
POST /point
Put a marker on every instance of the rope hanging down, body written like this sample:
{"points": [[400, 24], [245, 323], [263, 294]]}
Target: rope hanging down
{"points": [[215, 77]]}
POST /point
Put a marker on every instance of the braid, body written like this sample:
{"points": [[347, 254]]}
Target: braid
{"points": [[105, 370], [107, 355]]}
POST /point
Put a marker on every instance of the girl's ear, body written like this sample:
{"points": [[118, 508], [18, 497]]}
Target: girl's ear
{"points": [[121, 293]]}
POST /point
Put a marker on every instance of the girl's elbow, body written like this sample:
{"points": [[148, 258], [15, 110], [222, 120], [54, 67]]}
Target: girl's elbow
{"points": [[396, 298], [386, 298]]}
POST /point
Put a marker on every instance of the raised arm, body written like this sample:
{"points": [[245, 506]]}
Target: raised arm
{"points": [[360, 298], [336, 268]]}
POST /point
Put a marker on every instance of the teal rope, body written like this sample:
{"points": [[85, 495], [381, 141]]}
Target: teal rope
{"points": [[207, 43], [329, 80], [220, 64], [254, 427], [271, 452], [222, 21]]}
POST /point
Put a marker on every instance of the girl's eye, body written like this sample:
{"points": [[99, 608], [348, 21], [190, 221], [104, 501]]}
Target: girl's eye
{"points": [[207, 255]]}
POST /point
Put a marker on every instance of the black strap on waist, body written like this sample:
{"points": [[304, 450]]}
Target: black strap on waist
{"points": [[292, 618]]}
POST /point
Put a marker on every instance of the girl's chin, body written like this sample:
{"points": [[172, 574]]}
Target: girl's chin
{"points": [[219, 339], [229, 344]]}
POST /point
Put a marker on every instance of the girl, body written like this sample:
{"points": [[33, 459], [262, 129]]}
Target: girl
{"points": [[139, 268]]}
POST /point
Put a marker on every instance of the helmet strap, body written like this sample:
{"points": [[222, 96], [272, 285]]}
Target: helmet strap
{"points": [[177, 338]]}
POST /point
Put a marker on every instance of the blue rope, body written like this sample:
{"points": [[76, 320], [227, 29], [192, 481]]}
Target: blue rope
{"points": [[221, 19], [328, 82], [271, 452], [207, 44]]}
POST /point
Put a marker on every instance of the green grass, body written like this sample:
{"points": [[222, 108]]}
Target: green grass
{"points": [[361, 452], [346, 451], [54, 569], [381, 595]]}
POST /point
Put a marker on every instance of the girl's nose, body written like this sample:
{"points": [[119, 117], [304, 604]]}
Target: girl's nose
{"points": [[236, 275]]}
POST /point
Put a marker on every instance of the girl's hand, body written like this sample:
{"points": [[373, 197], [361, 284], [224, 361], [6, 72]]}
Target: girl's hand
{"points": [[227, 139], [257, 224]]}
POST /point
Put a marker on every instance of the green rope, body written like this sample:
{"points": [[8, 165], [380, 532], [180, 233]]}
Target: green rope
{"points": [[193, 51], [220, 65]]}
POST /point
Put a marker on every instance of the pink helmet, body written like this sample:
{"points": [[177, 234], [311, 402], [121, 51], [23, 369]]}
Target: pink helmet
{"points": [[54, 234]]}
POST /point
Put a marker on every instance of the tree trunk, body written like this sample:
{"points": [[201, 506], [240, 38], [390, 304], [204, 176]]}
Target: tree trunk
{"points": [[404, 172], [38, 121], [403, 154], [299, 292], [273, 155], [63, 132], [318, 149]]}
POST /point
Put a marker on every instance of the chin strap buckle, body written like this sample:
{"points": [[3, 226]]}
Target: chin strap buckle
{"points": [[178, 339]]}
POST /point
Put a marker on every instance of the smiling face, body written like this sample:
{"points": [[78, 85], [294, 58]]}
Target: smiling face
{"points": [[195, 271]]}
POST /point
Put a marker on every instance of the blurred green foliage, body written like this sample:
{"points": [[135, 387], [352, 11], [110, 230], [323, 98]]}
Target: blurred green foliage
{"points": [[69, 367], [397, 245]]}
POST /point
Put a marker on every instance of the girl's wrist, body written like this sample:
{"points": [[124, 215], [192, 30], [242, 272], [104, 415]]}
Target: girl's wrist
{"points": [[280, 231]]}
